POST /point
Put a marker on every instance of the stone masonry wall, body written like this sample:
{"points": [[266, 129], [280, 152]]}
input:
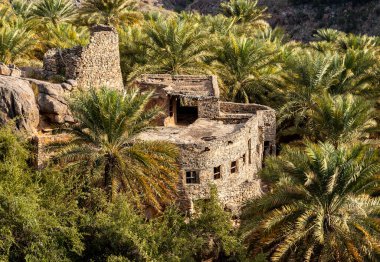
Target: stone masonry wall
{"points": [[244, 146], [95, 65], [266, 116]]}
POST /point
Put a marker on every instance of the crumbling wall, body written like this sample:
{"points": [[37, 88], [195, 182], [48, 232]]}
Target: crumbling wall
{"points": [[94, 65], [209, 108], [244, 146], [265, 115]]}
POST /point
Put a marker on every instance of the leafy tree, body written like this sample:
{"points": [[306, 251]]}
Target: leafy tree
{"points": [[213, 233], [110, 12], [319, 207], [248, 69], [104, 140], [120, 232], [54, 11], [38, 217]]}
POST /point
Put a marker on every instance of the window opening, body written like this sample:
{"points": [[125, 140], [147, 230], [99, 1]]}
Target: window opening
{"points": [[233, 167], [217, 173], [192, 177]]}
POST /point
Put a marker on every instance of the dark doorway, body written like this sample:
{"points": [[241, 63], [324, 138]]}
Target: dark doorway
{"points": [[187, 111]]}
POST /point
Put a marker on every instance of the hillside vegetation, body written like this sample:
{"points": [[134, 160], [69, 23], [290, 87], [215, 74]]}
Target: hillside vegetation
{"points": [[301, 18]]}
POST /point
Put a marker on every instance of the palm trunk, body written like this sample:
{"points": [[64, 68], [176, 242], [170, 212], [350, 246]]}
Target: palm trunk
{"points": [[108, 170]]}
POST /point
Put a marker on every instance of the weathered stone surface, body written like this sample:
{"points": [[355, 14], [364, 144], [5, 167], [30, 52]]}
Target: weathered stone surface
{"points": [[17, 101], [52, 102], [32, 72], [67, 86], [95, 65], [72, 82], [4, 70], [229, 139], [15, 72]]}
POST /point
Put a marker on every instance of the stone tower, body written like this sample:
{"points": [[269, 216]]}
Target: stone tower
{"points": [[94, 65]]}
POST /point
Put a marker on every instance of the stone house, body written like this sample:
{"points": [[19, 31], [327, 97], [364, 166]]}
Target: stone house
{"points": [[220, 143]]}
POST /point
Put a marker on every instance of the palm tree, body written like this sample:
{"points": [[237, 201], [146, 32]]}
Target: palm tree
{"points": [[65, 35], [342, 118], [54, 11], [104, 140], [329, 35], [310, 74], [244, 11], [132, 53], [357, 42], [17, 42], [22, 9], [110, 12], [218, 24], [319, 207], [248, 68], [174, 47]]}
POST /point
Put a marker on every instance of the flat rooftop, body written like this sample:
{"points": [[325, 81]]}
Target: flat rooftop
{"points": [[202, 130]]}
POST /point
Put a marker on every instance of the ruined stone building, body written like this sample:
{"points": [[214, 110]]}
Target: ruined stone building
{"points": [[94, 65], [220, 143]]}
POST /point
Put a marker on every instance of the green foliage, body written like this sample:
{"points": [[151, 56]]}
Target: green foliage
{"points": [[249, 67], [340, 119], [311, 74], [213, 228], [54, 11], [109, 12], [108, 123], [16, 43], [22, 9], [244, 11], [319, 206], [120, 233], [323, 195], [173, 46], [36, 223], [65, 36]]}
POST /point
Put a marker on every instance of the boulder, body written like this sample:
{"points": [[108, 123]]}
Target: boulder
{"points": [[67, 86], [4, 69], [52, 102], [17, 101], [72, 82], [15, 71]]}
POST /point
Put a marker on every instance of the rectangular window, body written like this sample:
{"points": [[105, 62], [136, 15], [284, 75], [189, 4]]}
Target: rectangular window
{"points": [[233, 167], [192, 177], [249, 151], [217, 174]]}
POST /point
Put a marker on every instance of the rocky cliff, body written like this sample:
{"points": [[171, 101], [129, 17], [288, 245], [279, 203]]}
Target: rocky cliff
{"points": [[299, 21]]}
